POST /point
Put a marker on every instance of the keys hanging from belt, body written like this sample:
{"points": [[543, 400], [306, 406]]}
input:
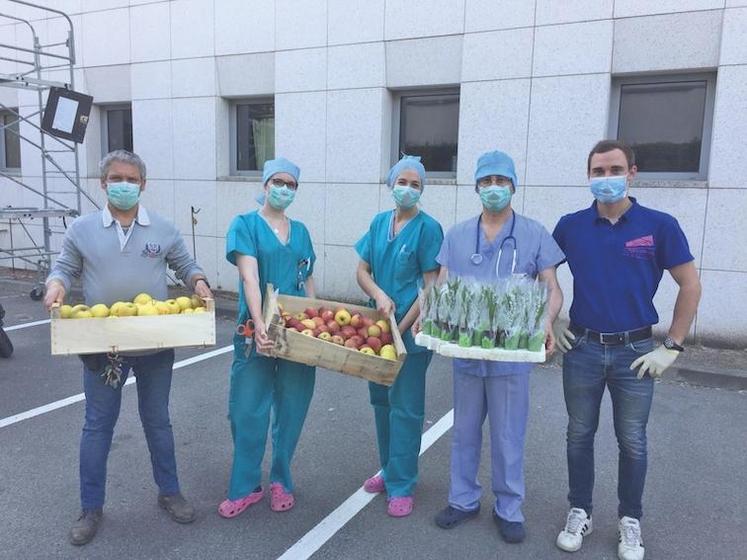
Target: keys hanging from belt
{"points": [[112, 374], [247, 331]]}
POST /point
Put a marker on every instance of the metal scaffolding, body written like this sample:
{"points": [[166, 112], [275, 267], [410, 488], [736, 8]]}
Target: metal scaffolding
{"points": [[36, 63]]}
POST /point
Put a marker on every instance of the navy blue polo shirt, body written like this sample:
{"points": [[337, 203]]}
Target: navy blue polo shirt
{"points": [[617, 267]]}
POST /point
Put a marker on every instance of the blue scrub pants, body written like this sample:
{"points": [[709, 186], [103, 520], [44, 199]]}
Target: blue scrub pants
{"points": [[505, 400], [399, 412], [259, 385]]}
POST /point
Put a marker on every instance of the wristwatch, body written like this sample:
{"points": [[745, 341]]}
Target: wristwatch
{"points": [[670, 344]]}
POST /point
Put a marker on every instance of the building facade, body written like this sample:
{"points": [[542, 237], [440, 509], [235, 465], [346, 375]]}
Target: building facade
{"points": [[205, 90]]}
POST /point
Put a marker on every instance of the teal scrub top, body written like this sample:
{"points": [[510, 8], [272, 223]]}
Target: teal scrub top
{"points": [[399, 262], [286, 266]]}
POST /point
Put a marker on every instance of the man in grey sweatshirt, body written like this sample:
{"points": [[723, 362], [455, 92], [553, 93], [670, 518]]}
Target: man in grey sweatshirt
{"points": [[119, 252]]}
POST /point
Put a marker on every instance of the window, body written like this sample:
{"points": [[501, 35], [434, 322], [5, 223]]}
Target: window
{"points": [[116, 128], [252, 135], [428, 126], [667, 121], [10, 141]]}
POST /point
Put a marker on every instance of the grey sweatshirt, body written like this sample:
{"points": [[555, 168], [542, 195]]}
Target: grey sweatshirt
{"points": [[115, 265]]}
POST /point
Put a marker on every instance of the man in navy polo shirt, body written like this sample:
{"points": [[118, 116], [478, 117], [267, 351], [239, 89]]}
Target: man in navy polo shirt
{"points": [[617, 251]]}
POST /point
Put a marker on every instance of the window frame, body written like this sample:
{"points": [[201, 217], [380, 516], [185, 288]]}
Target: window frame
{"points": [[13, 112], [104, 110], [233, 104], [705, 146], [397, 123]]}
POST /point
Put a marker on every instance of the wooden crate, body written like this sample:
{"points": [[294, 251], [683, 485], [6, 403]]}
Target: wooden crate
{"points": [[127, 334], [296, 347]]}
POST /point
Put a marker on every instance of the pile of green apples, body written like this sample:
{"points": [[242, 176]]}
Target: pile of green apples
{"points": [[141, 305]]}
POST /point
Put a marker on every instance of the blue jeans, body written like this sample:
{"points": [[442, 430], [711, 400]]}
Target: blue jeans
{"points": [[587, 368], [153, 374]]}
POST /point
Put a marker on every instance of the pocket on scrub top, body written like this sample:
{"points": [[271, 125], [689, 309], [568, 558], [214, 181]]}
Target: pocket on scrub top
{"points": [[404, 265]]}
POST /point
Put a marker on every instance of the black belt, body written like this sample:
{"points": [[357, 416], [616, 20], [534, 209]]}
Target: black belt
{"points": [[612, 339]]}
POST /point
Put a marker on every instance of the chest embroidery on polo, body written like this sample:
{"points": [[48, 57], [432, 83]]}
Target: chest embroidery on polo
{"points": [[640, 248], [152, 250]]}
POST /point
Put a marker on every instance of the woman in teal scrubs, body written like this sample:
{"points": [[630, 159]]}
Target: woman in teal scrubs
{"points": [[267, 247], [398, 255]]}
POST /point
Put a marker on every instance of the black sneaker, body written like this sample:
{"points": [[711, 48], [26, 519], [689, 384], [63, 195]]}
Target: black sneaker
{"points": [[512, 532], [84, 529], [180, 509], [450, 517]]}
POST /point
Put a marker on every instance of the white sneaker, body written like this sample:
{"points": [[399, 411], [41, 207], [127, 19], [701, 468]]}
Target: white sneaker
{"points": [[630, 545], [577, 526]]}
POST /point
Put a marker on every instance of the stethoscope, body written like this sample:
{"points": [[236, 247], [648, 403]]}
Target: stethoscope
{"points": [[477, 257]]}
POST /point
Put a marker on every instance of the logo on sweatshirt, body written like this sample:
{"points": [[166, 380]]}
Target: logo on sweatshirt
{"points": [[642, 248], [152, 250]]}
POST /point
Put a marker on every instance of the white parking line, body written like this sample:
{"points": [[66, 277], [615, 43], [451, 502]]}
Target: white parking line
{"points": [[327, 527], [38, 411], [25, 325]]}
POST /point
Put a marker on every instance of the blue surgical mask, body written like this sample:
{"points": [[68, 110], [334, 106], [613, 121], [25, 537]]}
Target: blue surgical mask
{"points": [[609, 189], [495, 198], [280, 197], [123, 195], [405, 196]]}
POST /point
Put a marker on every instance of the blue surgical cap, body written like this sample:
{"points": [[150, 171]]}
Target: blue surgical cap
{"points": [[407, 162], [278, 165], [495, 163]]}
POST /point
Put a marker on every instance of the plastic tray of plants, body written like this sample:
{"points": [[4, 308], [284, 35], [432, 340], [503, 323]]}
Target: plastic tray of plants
{"points": [[500, 321]]}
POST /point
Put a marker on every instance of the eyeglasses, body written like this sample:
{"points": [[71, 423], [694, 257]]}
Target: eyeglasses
{"points": [[281, 183], [494, 180]]}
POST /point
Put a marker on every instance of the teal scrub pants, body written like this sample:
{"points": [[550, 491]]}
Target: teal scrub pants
{"points": [[259, 385], [399, 411]]}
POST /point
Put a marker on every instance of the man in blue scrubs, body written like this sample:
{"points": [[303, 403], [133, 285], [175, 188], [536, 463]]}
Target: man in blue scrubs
{"points": [[509, 244], [617, 251]]}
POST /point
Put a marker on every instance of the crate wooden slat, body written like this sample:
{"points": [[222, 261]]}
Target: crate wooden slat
{"points": [[296, 347], [132, 334]]}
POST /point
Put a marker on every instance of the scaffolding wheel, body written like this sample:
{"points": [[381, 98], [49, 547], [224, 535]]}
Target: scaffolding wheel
{"points": [[37, 293]]}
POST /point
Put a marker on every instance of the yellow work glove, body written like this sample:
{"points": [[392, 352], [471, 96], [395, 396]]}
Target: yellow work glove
{"points": [[655, 362], [563, 336]]}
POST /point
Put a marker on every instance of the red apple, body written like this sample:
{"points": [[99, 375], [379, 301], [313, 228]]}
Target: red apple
{"points": [[367, 321], [363, 333], [357, 340], [323, 329], [310, 312], [333, 327], [386, 338], [318, 320], [292, 323], [374, 330], [374, 343], [347, 331], [337, 339], [327, 314], [316, 333], [356, 321], [350, 343]]}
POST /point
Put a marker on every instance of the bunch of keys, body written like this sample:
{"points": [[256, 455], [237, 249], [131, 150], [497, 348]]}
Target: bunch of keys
{"points": [[112, 373], [247, 331]]}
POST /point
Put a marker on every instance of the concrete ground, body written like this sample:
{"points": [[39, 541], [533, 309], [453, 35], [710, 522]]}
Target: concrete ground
{"points": [[694, 502]]}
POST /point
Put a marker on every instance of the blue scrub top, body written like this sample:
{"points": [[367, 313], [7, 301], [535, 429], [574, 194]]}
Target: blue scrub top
{"points": [[536, 251], [398, 263], [286, 266], [617, 267]]}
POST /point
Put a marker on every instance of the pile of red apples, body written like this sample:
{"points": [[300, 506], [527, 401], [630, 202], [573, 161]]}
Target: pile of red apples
{"points": [[341, 327]]}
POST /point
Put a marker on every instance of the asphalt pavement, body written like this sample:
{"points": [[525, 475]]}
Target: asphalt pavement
{"points": [[694, 503]]}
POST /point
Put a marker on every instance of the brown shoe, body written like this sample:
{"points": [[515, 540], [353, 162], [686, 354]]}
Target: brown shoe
{"points": [[179, 508], [83, 531]]}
